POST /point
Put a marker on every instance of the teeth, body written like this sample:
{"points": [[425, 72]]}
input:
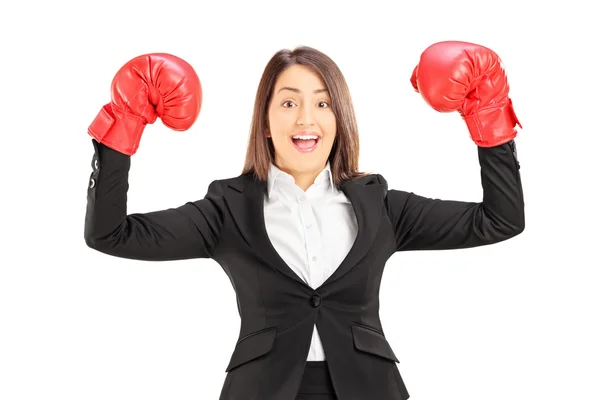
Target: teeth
{"points": [[305, 137]]}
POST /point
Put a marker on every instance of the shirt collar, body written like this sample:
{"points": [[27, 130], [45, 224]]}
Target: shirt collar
{"points": [[277, 175]]}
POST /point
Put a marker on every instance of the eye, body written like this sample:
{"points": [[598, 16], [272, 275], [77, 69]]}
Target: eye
{"points": [[321, 102]]}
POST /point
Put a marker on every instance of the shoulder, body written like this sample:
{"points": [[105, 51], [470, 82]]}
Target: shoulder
{"points": [[372, 179], [366, 178], [369, 180], [239, 182]]}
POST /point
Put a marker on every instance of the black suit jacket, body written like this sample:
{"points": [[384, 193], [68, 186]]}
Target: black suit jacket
{"points": [[277, 308]]}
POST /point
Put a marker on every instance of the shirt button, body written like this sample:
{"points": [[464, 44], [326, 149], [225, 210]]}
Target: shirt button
{"points": [[301, 199], [308, 226], [314, 258]]}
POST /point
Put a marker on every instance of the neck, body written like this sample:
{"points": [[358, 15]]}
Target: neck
{"points": [[303, 179]]}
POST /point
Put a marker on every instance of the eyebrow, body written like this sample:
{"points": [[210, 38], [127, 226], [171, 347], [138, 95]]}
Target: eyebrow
{"points": [[295, 90]]}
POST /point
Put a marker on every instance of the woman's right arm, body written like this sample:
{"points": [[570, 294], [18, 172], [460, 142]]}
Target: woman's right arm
{"points": [[189, 231]]}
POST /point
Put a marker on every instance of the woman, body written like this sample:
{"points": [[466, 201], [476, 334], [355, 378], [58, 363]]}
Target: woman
{"points": [[302, 234]]}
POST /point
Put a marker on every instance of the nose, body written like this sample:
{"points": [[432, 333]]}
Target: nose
{"points": [[306, 115]]}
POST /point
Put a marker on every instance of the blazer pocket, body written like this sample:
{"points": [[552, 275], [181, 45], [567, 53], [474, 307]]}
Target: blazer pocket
{"points": [[252, 346], [370, 340]]}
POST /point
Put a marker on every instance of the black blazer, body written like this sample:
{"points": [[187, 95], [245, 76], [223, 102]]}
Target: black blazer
{"points": [[278, 309]]}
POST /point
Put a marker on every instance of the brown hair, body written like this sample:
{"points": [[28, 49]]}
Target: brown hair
{"points": [[345, 151]]}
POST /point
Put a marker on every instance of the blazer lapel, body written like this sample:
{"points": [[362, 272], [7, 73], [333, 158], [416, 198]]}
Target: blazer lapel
{"points": [[366, 197], [246, 202]]}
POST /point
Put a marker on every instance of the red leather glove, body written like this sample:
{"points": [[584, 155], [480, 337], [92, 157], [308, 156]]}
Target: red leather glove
{"points": [[470, 79], [148, 86]]}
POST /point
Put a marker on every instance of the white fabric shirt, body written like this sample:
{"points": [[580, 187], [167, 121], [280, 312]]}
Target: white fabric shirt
{"points": [[312, 231]]}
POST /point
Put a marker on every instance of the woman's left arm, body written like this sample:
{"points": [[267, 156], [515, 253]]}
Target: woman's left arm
{"points": [[470, 79], [422, 223]]}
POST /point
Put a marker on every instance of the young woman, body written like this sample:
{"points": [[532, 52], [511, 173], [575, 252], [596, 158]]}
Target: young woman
{"points": [[302, 234]]}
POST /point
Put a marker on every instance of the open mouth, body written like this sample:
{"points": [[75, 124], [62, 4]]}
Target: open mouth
{"points": [[305, 145]]}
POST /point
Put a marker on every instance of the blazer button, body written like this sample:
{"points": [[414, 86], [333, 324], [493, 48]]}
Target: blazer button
{"points": [[315, 301], [92, 183]]}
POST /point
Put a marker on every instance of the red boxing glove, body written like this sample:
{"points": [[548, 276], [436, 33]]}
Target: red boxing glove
{"points": [[470, 79], [149, 86]]}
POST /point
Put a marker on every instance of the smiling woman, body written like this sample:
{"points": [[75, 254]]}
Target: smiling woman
{"points": [[303, 120], [298, 116], [304, 236]]}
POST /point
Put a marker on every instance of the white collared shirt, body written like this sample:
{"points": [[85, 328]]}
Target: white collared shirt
{"points": [[312, 231]]}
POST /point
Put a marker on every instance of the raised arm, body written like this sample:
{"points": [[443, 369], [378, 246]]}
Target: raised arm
{"points": [[145, 88], [422, 223], [189, 231], [470, 79]]}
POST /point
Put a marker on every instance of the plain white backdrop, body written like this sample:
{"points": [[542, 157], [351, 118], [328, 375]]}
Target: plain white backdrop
{"points": [[517, 320]]}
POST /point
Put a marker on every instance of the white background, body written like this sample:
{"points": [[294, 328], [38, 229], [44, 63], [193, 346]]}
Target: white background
{"points": [[517, 320]]}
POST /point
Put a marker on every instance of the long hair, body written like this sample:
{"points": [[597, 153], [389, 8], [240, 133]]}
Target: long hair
{"points": [[345, 151]]}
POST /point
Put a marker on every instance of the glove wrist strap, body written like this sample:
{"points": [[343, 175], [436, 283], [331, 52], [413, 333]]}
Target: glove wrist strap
{"points": [[118, 130], [493, 126]]}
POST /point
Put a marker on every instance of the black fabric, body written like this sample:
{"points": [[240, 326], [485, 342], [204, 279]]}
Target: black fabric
{"points": [[316, 381], [278, 310]]}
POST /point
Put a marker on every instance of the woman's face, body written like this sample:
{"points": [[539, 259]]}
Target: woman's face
{"points": [[300, 105]]}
